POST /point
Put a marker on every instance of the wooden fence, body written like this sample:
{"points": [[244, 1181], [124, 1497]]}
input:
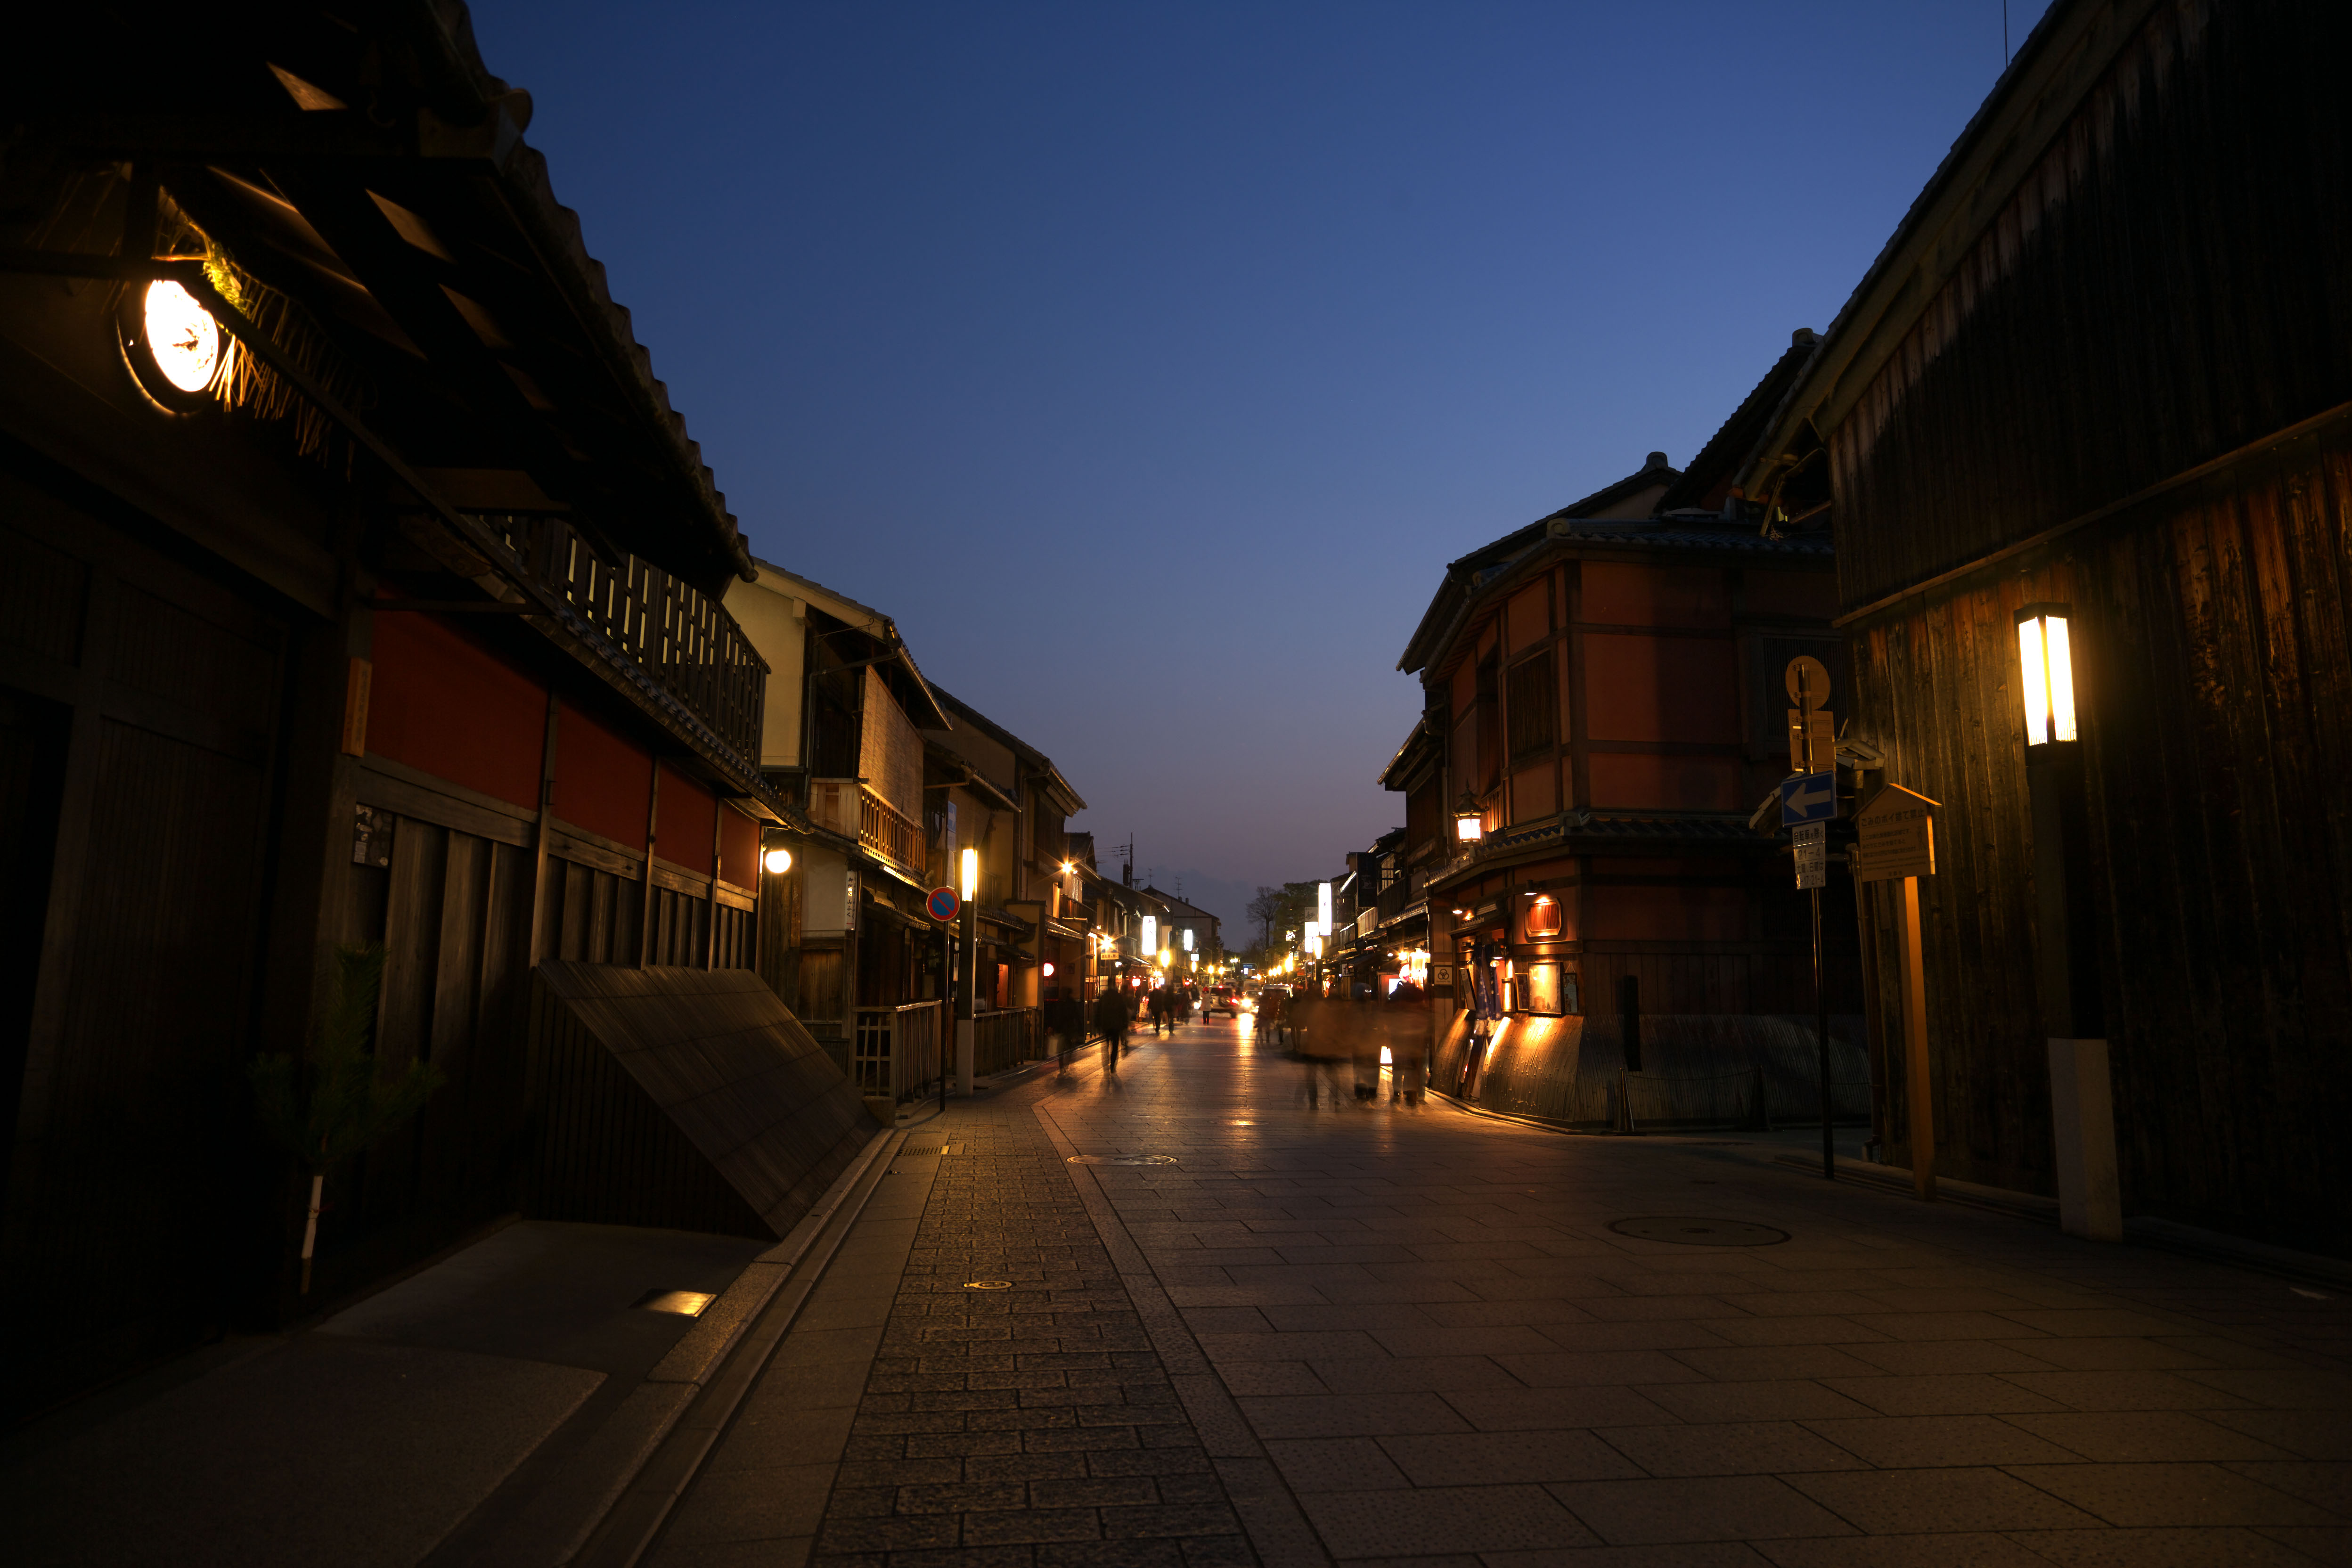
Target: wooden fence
{"points": [[894, 1052]]}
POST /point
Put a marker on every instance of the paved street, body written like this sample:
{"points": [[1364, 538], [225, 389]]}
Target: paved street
{"points": [[1382, 1334]]}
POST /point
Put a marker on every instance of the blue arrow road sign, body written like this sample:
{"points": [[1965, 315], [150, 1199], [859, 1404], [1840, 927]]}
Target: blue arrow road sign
{"points": [[1808, 798]]}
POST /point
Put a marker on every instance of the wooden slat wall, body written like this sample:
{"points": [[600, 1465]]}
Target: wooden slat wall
{"points": [[2169, 285], [454, 910], [2216, 643], [603, 1152], [131, 1177]]}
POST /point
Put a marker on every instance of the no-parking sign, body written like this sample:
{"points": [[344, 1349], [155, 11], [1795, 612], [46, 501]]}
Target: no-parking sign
{"points": [[942, 905]]}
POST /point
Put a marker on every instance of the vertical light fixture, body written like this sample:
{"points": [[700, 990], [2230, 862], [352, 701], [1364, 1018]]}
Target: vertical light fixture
{"points": [[970, 882], [2045, 658], [1323, 906], [1150, 942]]}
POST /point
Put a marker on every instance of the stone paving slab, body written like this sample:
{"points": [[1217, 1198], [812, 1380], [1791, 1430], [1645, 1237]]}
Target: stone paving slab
{"points": [[1427, 1326]]}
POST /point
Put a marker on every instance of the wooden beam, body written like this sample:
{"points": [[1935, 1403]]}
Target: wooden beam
{"points": [[539, 840], [653, 821]]}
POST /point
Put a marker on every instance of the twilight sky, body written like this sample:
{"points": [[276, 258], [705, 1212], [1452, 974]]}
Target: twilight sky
{"points": [[1148, 362]]}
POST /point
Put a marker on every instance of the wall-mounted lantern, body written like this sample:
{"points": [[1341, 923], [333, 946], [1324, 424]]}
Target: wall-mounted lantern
{"points": [[777, 861], [175, 350], [1469, 820], [2045, 660]]}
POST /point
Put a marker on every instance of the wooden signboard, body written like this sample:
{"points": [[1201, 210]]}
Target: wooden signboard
{"points": [[1898, 836], [1898, 843]]}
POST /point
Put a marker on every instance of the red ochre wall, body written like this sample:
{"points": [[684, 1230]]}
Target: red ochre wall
{"points": [[738, 843], [687, 813], [448, 706], [601, 783]]}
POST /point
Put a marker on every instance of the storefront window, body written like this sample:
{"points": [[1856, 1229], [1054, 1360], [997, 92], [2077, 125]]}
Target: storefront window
{"points": [[1550, 990]]}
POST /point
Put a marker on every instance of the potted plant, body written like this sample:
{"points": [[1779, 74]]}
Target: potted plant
{"points": [[337, 1102]]}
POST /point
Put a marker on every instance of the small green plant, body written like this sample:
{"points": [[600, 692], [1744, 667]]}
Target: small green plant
{"points": [[337, 1102]]}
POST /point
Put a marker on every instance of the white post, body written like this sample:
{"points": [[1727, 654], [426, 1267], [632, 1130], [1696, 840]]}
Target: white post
{"points": [[2083, 1118]]}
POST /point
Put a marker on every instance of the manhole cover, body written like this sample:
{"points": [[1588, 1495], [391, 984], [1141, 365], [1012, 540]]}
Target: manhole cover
{"points": [[988, 1284], [1122, 1159], [1700, 1232]]}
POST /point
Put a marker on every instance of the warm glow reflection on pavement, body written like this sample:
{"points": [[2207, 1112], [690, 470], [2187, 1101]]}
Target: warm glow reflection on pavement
{"points": [[1423, 1330]]}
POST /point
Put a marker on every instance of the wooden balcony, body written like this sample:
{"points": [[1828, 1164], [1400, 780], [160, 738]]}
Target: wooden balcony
{"points": [[848, 807], [682, 642]]}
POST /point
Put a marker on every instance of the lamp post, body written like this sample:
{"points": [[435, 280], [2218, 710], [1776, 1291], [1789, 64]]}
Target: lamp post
{"points": [[2081, 1102], [968, 989]]}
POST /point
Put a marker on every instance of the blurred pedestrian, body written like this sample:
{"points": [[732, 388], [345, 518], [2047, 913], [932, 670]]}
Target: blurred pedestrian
{"points": [[1110, 1023], [1405, 1019]]}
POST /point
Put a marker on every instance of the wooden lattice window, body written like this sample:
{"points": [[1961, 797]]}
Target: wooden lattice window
{"points": [[1532, 704]]}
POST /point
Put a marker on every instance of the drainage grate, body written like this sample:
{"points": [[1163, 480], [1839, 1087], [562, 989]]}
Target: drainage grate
{"points": [[1692, 1232], [685, 1303], [1122, 1159]]}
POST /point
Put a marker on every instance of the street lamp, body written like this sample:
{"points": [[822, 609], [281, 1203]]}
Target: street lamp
{"points": [[2082, 1096], [1469, 820], [777, 861], [2046, 661], [971, 879]]}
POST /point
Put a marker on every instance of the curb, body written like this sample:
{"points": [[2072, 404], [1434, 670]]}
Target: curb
{"points": [[703, 1375]]}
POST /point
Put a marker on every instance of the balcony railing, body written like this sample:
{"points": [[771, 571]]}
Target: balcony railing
{"points": [[848, 807], [685, 641]]}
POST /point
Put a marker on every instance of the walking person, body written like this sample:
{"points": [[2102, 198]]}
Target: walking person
{"points": [[1406, 1018], [1110, 1023]]}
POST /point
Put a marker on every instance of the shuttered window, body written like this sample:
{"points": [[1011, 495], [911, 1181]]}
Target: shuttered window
{"points": [[1532, 702]]}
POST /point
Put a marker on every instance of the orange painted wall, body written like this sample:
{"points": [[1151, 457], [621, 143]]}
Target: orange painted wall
{"points": [[1633, 780], [443, 703], [1529, 614], [686, 815], [601, 783], [1534, 792], [1616, 593], [1661, 688], [738, 847], [1667, 914]]}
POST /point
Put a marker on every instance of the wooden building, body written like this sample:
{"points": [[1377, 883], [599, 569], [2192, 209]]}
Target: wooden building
{"points": [[897, 778], [1603, 699], [357, 584], [2105, 362]]}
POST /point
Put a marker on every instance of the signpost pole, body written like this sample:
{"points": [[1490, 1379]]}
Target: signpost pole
{"points": [[1821, 1005], [1914, 1050]]}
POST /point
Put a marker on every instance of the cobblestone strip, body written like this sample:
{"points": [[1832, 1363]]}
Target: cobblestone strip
{"points": [[1028, 1426], [1277, 1526]]}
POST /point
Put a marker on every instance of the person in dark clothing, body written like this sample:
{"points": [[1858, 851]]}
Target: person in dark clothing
{"points": [[1110, 1023], [1406, 1023]]}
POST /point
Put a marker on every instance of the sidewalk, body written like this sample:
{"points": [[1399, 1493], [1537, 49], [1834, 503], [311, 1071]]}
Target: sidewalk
{"points": [[1176, 1319]]}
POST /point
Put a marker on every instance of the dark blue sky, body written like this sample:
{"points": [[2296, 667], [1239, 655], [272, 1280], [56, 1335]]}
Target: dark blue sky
{"points": [[1146, 362]]}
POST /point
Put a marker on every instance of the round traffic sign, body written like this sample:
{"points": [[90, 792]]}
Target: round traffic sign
{"points": [[943, 904], [1808, 680]]}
